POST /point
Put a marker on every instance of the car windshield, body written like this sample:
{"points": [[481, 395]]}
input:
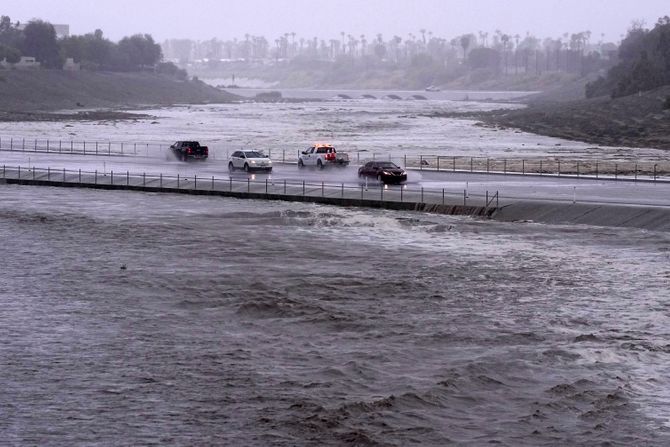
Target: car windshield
{"points": [[253, 154], [387, 164], [324, 150], [192, 143]]}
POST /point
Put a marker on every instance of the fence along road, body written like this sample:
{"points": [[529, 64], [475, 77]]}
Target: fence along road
{"points": [[558, 166], [378, 196]]}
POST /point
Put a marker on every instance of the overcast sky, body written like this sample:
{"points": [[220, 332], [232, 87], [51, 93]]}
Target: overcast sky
{"points": [[225, 19]]}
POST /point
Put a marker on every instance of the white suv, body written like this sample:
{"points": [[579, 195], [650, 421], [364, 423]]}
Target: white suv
{"points": [[249, 160]]}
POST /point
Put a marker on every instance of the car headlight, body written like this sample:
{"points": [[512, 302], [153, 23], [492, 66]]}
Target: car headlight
{"points": [[252, 162], [386, 173]]}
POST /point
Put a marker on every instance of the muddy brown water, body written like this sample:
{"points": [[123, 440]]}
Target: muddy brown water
{"points": [[140, 319]]}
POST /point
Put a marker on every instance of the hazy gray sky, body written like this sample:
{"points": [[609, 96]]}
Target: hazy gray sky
{"points": [[204, 19]]}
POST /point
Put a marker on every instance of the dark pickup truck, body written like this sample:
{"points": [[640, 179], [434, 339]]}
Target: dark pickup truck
{"points": [[185, 150]]}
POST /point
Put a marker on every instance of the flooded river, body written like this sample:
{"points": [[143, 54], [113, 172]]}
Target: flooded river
{"points": [[142, 319]]}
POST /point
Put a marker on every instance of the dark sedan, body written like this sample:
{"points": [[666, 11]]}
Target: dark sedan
{"points": [[384, 171]]}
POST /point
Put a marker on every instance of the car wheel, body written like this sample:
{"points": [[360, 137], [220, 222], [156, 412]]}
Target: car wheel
{"points": [[231, 166], [300, 163], [246, 167], [319, 164]]}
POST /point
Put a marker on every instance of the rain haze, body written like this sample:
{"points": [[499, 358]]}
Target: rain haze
{"points": [[327, 223], [205, 19]]}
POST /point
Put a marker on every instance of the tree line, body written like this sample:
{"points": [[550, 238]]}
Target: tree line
{"points": [[93, 51], [644, 63], [489, 54]]}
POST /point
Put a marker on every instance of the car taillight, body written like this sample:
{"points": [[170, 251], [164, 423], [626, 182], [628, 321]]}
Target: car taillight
{"points": [[188, 150], [206, 151]]}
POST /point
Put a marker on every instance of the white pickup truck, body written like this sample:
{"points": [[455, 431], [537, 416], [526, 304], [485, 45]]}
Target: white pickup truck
{"points": [[322, 155]]}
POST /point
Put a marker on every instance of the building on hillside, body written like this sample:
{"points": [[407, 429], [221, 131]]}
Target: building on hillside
{"points": [[71, 65], [26, 63]]}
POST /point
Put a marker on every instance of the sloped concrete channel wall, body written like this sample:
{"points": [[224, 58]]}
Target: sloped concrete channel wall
{"points": [[432, 201]]}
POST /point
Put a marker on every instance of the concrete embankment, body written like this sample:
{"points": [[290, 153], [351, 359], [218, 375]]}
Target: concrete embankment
{"points": [[643, 217]]}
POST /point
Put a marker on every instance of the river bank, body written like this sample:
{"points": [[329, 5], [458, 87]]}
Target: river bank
{"points": [[37, 95], [640, 120]]}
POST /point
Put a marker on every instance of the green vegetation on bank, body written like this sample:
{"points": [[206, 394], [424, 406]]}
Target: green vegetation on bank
{"points": [[93, 51], [644, 64]]}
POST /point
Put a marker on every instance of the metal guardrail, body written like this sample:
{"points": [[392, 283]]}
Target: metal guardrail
{"points": [[268, 188], [556, 166]]}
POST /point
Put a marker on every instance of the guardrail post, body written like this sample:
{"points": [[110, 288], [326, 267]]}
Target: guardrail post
{"points": [[36, 145], [559, 168], [453, 166], [84, 147], [266, 186], [577, 169], [71, 146], [134, 149], [23, 145], [63, 175], [4, 174], [361, 192], [33, 172], [422, 194], [195, 181], [438, 162], [160, 180], [230, 188], [144, 179], [19, 172], [11, 144], [303, 188], [95, 179], [127, 178], [111, 177], [420, 162], [284, 186], [122, 148], [442, 196], [80, 176], [523, 167], [60, 146], [405, 159], [109, 148], [342, 195], [248, 185], [212, 183], [401, 188], [487, 198], [505, 167], [470, 164], [177, 181], [283, 155], [487, 165], [465, 193], [358, 157]]}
